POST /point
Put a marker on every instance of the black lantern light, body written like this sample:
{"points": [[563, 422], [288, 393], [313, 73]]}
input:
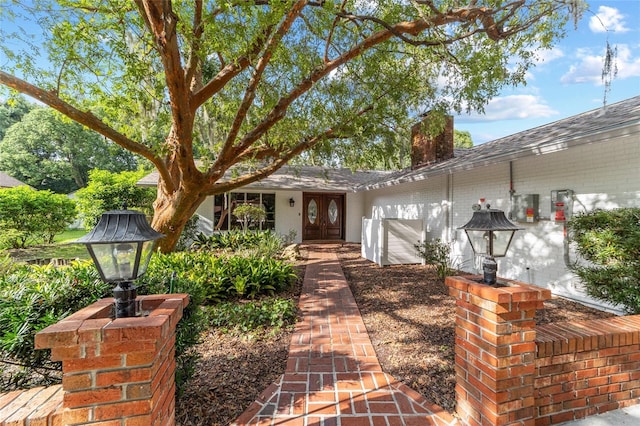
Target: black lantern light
{"points": [[292, 202], [121, 245], [490, 233]]}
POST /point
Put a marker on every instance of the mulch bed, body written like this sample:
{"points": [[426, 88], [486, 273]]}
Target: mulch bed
{"points": [[410, 318]]}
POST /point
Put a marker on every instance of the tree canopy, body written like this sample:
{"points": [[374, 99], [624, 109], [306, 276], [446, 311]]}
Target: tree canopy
{"points": [[11, 111], [47, 151], [258, 82]]}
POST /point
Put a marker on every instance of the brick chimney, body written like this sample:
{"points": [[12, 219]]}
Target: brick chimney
{"points": [[427, 149]]}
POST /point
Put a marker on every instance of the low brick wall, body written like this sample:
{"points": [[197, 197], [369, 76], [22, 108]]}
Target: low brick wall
{"points": [[114, 371], [33, 407], [587, 367], [511, 372]]}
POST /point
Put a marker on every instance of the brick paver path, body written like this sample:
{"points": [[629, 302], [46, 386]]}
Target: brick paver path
{"points": [[333, 377]]}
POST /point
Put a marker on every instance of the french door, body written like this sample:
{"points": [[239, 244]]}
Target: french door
{"points": [[323, 216]]}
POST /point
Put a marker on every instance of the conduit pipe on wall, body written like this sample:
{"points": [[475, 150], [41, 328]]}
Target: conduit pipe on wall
{"points": [[512, 191]]}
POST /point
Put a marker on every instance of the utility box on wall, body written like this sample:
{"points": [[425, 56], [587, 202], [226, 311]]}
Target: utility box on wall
{"points": [[561, 204], [525, 208]]}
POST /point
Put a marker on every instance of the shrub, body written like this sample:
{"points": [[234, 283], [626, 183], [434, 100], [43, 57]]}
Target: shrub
{"points": [[609, 240], [34, 297], [215, 279], [28, 216], [256, 243], [165, 275], [110, 191], [249, 215], [436, 253], [252, 316]]}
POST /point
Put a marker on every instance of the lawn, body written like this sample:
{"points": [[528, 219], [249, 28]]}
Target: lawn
{"points": [[62, 249]]}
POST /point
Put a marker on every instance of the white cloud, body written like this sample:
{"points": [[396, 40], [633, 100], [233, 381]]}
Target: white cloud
{"points": [[589, 69], [513, 107], [549, 55], [608, 19]]}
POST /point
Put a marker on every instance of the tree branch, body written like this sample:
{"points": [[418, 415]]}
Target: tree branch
{"points": [[87, 119], [198, 29], [250, 92], [228, 72]]}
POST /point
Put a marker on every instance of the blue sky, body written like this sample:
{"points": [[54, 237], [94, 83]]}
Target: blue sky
{"points": [[569, 79]]}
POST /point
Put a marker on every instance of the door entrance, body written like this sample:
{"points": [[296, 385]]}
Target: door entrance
{"points": [[323, 216]]}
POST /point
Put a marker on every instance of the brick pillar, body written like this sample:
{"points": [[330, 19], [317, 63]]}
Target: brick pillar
{"points": [[117, 371], [495, 350]]}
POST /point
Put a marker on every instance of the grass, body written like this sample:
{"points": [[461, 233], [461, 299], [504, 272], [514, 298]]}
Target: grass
{"points": [[62, 249], [69, 235]]}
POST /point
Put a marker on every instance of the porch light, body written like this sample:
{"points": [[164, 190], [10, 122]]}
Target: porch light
{"points": [[121, 245], [490, 233], [292, 202]]}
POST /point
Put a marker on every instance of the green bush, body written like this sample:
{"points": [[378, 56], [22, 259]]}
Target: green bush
{"points": [[254, 243], [110, 191], [250, 215], [436, 253], [215, 279], [34, 297], [254, 316], [29, 217], [609, 240]]}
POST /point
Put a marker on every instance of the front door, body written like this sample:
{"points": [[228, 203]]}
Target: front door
{"points": [[323, 216]]}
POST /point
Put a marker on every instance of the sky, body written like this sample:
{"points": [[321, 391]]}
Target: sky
{"points": [[569, 79]]}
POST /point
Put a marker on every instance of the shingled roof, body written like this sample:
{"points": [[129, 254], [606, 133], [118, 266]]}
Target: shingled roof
{"points": [[302, 178], [7, 181], [588, 127]]}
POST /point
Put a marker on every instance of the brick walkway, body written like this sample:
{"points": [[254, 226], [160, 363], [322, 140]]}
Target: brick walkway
{"points": [[333, 377]]}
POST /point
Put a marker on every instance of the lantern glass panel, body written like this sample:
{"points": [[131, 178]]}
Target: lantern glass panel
{"points": [[501, 240], [147, 251], [117, 261], [479, 241]]}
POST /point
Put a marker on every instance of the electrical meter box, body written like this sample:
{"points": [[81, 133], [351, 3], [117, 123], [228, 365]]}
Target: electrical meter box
{"points": [[525, 208], [561, 205]]}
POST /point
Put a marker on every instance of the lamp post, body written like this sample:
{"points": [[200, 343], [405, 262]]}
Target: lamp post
{"points": [[490, 233], [121, 245]]}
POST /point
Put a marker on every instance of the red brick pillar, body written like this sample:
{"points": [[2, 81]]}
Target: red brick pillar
{"points": [[117, 371], [495, 350]]}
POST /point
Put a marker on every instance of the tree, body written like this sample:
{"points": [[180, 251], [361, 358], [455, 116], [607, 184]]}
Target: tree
{"points": [[462, 139], [256, 83], [31, 216], [11, 111], [111, 191], [48, 152]]}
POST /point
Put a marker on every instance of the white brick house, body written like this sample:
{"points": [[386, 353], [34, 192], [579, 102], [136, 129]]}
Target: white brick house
{"points": [[595, 154]]}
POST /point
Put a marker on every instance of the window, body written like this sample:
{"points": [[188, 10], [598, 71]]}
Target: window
{"points": [[224, 204]]}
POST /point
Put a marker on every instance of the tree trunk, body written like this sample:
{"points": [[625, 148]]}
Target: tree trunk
{"points": [[171, 213]]}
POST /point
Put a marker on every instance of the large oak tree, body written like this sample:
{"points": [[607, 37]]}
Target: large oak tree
{"points": [[258, 82]]}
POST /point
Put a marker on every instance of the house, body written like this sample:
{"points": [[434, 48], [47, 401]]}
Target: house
{"points": [[7, 181], [308, 203], [540, 177]]}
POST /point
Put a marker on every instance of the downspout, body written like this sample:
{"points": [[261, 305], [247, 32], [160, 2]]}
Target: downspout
{"points": [[511, 191], [565, 233]]}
